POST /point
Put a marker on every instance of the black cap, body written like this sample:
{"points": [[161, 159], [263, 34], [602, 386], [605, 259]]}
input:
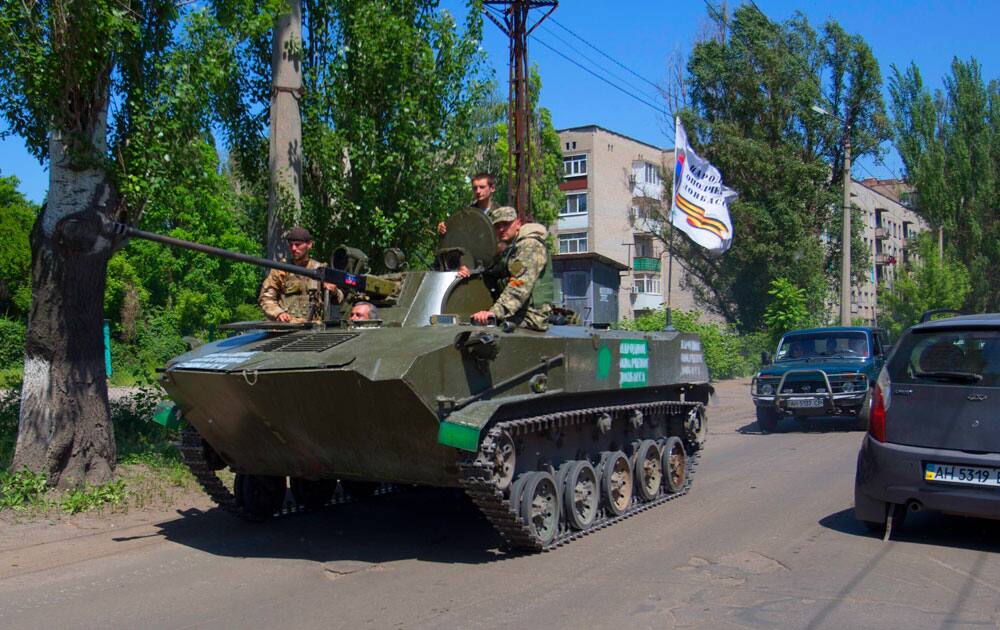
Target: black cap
{"points": [[298, 233]]}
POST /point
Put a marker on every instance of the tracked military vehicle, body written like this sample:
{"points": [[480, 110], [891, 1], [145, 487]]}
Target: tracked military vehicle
{"points": [[552, 434]]}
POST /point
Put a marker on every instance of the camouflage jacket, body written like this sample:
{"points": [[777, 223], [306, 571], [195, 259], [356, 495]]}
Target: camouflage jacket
{"points": [[521, 265], [299, 296]]}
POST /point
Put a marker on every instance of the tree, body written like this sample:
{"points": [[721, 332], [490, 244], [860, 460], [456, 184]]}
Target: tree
{"points": [[950, 145], [16, 216], [930, 283], [751, 88], [787, 310], [391, 91], [109, 94], [546, 154], [284, 199]]}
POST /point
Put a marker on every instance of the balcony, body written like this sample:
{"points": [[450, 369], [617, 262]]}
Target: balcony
{"points": [[646, 264], [882, 260], [880, 234]]}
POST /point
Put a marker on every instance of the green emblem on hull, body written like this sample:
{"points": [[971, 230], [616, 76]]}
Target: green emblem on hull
{"points": [[633, 363], [603, 363], [459, 435]]}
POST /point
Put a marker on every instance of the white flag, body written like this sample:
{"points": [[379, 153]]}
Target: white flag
{"points": [[700, 203]]}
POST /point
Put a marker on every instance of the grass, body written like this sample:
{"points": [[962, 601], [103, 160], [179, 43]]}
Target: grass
{"points": [[149, 473]]}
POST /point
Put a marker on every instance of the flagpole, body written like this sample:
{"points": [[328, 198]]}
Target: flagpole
{"points": [[668, 323]]}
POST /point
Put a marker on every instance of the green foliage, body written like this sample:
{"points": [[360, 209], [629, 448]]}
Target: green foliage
{"points": [[21, 489], [113, 494], [137, 437], [788, 309], [752, 86], [17, 215], [11, 343], [546, 154], [950, 145], [390, 95], [727, 353], [10, 404], [929, 283]]}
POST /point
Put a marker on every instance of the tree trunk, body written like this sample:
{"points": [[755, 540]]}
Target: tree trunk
{"points": [[64, 426], [285, 155]]}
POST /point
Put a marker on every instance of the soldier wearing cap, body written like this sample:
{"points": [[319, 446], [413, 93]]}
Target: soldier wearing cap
{"points": [[286, 297], [522, 258]]}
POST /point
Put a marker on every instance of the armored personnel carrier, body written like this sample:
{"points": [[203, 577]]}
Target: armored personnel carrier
{"points": [[552, 434]]}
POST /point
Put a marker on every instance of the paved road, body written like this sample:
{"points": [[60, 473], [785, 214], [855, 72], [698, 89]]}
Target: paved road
{"points": [[765, 539]]}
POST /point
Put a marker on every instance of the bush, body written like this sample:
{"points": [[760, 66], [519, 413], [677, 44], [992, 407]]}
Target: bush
{"points": [[22, 488], [727, 353], [11, 343], [10, 404]]}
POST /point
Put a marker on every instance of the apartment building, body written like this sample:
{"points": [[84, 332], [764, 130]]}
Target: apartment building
{"points": [[890, 223], [611, 261]]}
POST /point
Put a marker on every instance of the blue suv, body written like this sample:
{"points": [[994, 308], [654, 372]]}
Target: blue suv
{"points": [[818, 372]]}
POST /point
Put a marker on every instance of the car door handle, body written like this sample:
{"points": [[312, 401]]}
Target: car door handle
{"points": [[899, 391]]}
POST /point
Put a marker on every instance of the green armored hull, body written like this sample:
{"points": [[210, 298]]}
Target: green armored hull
{"points": [[551, 434]]}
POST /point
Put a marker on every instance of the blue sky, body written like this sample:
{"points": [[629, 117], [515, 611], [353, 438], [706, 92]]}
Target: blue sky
{"points": [[641, 34]]}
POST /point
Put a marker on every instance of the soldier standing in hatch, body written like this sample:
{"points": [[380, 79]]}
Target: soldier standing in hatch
{"points": [[483, 187], [286, 297], [522, 259]]}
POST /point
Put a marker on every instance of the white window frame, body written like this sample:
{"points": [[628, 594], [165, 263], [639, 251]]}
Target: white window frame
{"points": [[571, 207], [572, 165], [570, 242], [648, 283], [651, 174]]}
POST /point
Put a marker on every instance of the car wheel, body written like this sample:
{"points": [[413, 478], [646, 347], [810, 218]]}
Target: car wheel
{"points": [[767, 419]]}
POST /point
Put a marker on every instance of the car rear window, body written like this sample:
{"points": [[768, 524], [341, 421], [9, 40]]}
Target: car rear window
{"points": [[948, 356], [823, 344]]}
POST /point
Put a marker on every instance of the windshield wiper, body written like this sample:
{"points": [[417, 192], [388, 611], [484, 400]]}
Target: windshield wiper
{"points": [[946, 375]]}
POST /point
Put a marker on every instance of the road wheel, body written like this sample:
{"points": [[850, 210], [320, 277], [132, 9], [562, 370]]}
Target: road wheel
{"points": [[540, 506], [767, 419], [648, 470], [674, 465], [504, 461], [312, 494], [581, 496], [616, 482], [261, 496]]}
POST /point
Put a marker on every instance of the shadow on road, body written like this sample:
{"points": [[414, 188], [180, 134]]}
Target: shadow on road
{"points": [[929, 528], [433, 525], [817, 424]]}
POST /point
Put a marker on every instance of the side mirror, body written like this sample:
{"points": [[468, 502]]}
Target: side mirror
{"points": [[765, 357]]}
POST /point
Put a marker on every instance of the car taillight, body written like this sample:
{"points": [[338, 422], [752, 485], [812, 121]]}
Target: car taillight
{"points": [[876, 419]]}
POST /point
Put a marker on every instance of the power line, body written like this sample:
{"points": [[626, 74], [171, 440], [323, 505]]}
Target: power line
{"points": [[591, 72], [612, 59], [595, 63]]}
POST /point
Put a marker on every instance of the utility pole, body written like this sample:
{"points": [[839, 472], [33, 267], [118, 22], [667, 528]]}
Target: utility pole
{"points": [[512, 17], [845, 263]]}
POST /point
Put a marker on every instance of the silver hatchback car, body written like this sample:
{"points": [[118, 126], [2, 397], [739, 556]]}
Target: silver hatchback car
{"points": [[933, 440]]}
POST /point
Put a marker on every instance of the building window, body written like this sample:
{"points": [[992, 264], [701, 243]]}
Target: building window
{"points": [[643, 247], [652, 175], [647, 283], [572, 242], [576, 203], [575, 165]]}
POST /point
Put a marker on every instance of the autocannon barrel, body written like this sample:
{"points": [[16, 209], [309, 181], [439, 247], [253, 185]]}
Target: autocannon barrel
{"points": [[359, 283]]}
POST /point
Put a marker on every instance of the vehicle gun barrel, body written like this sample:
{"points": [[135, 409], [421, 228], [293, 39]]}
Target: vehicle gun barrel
{"points": [[359, 283]]}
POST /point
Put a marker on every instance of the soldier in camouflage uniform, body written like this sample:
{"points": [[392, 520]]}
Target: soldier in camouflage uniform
{"points": [[521, 260], [286, 297]]}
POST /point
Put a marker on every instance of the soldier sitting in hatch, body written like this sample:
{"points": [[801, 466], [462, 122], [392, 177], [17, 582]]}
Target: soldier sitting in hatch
{"points": [[363, 311], [522, 257], [286, 297]]}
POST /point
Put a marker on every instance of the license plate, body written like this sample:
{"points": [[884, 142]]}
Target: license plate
{"points": [[800, 403], [957, 473]]}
